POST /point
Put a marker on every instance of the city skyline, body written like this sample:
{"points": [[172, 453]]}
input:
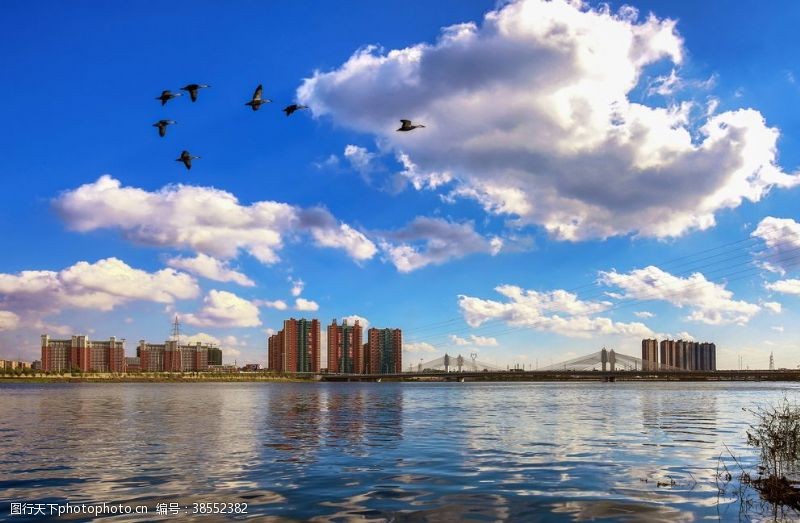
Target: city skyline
{"points": [[566, 193]]}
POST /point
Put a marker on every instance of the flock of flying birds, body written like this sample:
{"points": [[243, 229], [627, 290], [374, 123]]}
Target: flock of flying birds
{"points": [[255, 103]]}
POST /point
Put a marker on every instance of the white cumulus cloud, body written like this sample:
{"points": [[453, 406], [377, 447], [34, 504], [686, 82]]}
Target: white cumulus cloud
{"points": [[302, 304], [206, 220], [297, 286], [530, 114], [420, 346], [8, 320], [202, 337], [434, 241], [362, 160], [351, 320], [789, 286], [782, 239], [556, 311], [272, 304], [344, 237], [772, 306], [224, 309], [710, 302], [211, 268], [102, 285], [473, 339]]}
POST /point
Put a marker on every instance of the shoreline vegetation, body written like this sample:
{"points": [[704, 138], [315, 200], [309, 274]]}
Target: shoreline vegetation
{"points": [[150, 377], [771, 486], [29, 375]]}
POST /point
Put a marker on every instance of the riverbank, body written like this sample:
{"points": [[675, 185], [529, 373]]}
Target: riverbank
{"points": [[783, 375], [169, 378]]}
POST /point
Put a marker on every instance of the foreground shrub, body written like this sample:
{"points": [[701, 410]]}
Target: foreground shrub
{"points": [[776, 435]]}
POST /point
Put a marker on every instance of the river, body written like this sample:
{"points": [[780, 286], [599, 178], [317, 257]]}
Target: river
{"points": [[640, 451]]}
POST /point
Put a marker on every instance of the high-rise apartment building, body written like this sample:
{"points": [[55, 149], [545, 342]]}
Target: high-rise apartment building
{"points": [[649, 354], [668, 354], [345, 350], [686, 355], [83, 354], [706, 356], [275, 352], [384, 351], [295, 348]]}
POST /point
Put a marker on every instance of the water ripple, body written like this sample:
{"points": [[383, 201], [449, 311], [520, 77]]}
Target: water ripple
{"points": [[379, 452]]}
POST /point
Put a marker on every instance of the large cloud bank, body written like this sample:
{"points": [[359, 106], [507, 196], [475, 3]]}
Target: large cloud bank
{"points": [[531, 114]]}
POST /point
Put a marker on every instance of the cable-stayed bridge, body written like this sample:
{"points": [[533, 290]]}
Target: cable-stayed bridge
{"points": [[602, 360], [607, 365], [607, 360], [457, 363]]}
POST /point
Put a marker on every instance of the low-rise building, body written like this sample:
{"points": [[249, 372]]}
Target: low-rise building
{"points": [[223, 369], [214, 355], [133, 364], [172, 357], [82, 354]]}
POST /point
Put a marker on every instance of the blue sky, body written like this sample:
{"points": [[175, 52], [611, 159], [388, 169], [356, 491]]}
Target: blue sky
{"points": [[569, 154]]}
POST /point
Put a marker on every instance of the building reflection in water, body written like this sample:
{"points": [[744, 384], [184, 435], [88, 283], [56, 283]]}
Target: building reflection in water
{"points": [[292, 423], [302, 420], [125, 443], [332, 440]]}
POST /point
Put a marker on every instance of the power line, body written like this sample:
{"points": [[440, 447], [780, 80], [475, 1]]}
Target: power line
{"points": [[620, 306], [438, 325], [633, 301]]}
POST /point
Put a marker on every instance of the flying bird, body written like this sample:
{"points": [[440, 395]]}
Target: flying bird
{"points": [[408, 126], [186, 158], [192, 89], [257, 101], [289, 109], [166, 96], [162, 126]]}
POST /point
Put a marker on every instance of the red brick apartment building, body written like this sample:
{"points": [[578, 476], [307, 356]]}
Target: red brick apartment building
{"points": [[172, 357], [384, 352], [79, 352], [296, 347], [345, 351], [83, 354]]}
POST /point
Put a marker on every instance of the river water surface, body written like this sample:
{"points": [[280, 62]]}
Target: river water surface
{"points": [[381, 451]]}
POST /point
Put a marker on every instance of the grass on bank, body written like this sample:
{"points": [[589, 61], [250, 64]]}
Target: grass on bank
{"points": [[770, 489], [76, 375], [776, 436]]}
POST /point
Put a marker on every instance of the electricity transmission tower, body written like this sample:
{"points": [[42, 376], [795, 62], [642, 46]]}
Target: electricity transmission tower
{"points": [[176, 330]]}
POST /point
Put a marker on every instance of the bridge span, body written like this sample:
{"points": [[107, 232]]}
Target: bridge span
{"points": [[571, 376]]}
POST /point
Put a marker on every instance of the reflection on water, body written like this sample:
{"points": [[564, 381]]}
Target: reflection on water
{"points": [[378, 451]]}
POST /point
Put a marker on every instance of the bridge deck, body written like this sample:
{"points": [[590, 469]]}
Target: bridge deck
{"points": [[722, 375]]}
